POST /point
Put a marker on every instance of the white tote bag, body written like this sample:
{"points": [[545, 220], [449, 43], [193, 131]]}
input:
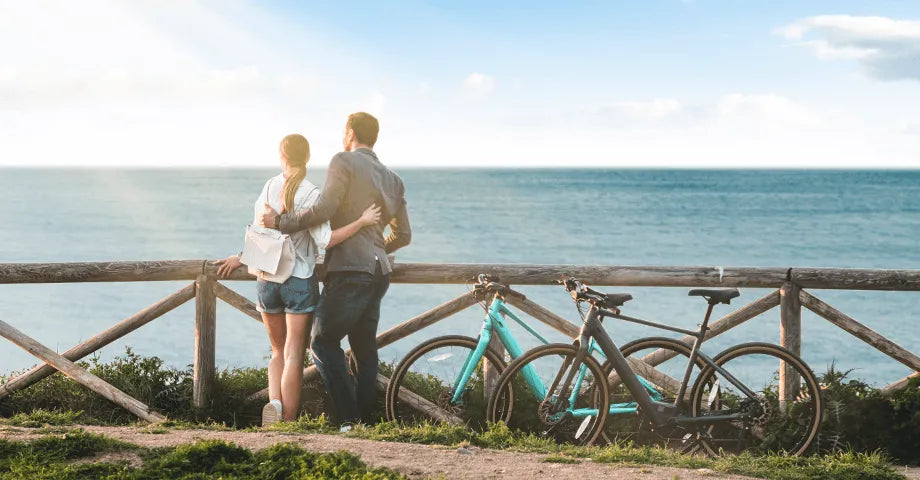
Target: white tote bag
{"points": [[269, 254]]}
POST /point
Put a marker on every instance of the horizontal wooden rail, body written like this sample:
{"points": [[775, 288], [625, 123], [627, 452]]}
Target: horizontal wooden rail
{"points": [[515, 274], [144, 271]]}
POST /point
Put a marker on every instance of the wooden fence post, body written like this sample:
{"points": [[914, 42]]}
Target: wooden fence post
{"points": [[204, 374], [790, 336]]}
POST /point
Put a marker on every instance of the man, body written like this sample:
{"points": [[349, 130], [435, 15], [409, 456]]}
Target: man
{"points": [[357, 270]]}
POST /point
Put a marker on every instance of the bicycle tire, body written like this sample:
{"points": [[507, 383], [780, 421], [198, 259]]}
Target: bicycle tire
{"points": [[787, 427], [587, 430], [394, 412]]}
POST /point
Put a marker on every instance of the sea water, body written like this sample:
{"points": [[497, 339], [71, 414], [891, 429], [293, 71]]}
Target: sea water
{"points": [[770, 218]]}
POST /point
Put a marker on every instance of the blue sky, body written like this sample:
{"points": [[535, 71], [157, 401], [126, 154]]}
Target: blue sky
{"points": [[658, 83]]}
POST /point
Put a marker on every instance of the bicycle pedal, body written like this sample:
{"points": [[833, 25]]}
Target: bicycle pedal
{"points": [[713, 394]]}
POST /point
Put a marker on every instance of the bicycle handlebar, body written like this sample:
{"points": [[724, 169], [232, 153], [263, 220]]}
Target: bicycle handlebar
{"points": [[491, 283], [580, 291]]}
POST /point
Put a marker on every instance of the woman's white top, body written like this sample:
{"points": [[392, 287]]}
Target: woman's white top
{"points": [[306, 242]]}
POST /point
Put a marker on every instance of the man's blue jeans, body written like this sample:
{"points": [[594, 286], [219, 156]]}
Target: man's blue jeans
{"points": [[349, 306]]}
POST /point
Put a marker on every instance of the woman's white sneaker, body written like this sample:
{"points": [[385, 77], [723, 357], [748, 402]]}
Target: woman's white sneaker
{"points": [[271, 413]]}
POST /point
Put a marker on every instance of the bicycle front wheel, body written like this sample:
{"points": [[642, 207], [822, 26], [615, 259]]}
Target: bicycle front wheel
{"points": [[776, 419], [424, 385], [544, 404]]}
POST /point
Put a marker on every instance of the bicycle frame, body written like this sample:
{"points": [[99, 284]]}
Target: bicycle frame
{"points": [[660, 413], [494, 321]]}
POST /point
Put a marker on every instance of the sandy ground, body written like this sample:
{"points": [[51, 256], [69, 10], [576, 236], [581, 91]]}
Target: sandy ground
{"points": [[415, 461]]}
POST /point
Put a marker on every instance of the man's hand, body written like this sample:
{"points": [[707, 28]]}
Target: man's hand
{"points": [[268, 217]]}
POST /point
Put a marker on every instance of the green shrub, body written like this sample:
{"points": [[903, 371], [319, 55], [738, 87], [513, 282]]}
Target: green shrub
{"points": [[860, 418]]}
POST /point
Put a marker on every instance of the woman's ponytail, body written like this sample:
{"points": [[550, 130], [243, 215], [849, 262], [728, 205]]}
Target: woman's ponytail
{"points": [[296, 150]]}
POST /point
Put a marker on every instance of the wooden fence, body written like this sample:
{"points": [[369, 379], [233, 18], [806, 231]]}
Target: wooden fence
{"points": [[790, 295]]}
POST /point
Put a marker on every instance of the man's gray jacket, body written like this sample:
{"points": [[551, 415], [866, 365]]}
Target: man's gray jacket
{"points": [[356, 180]]}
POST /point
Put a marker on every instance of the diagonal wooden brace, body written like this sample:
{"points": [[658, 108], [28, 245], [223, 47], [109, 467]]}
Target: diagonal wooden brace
{"points": [[860, 331], [102, 339], [78, 374]]}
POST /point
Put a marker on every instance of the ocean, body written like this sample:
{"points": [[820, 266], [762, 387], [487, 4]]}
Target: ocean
{"points": [[777, 218]]}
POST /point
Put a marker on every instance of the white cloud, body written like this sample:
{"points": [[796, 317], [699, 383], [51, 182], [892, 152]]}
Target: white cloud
{"points": [[889, 49], [909, 127], [424, 89], [654, 109], [46, 88], [478, 85], [766, 108]]}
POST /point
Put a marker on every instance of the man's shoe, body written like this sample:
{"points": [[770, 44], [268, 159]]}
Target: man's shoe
{"points": [[271, 413]]}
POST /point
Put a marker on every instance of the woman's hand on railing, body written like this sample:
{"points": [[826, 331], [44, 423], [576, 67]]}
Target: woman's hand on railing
{"points": [[226, 266]]}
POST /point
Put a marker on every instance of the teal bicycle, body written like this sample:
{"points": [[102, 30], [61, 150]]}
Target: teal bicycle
{"points": [[446, 373]]}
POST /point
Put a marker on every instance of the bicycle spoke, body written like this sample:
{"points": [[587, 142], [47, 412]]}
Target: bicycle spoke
{"points": [[766, 422], [574, 414], [430, 375]]}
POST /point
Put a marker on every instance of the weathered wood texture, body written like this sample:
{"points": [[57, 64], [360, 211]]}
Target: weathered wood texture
{"points": [[524, 274], [78, 374], [537, 311], [398, 332], [650, 373], [520, 274], [490, 372], [102, 339], [426, 319], [790, 337], [856, 278], [420, 404], [900, 384], [237, 301], [204, 373], [100, 271], [860, 331]]}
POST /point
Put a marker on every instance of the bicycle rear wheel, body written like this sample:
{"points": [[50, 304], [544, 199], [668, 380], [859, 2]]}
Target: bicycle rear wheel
{"points": [[423, 384], [572, 414], [769, 423]]}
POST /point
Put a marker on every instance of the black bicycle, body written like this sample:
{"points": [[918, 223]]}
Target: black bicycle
{"points": [[735, 403]]}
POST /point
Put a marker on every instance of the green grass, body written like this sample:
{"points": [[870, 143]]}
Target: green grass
{"points": [[863, 466], [56, 457], [560, 459], [42, 418], [859, 419], [217, 458]]}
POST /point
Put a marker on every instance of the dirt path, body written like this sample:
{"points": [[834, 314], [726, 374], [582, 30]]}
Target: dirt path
{"points": [[415, 461]]}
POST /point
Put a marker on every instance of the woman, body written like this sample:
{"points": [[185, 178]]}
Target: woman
{"points": [[287, 308]]}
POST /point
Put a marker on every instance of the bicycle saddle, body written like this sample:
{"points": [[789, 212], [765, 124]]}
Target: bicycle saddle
{"points": [[716, 295], [610, 299], [617, 299]]}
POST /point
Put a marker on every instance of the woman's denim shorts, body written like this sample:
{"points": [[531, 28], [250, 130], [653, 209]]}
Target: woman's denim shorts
{"points": [[295, 295]]}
